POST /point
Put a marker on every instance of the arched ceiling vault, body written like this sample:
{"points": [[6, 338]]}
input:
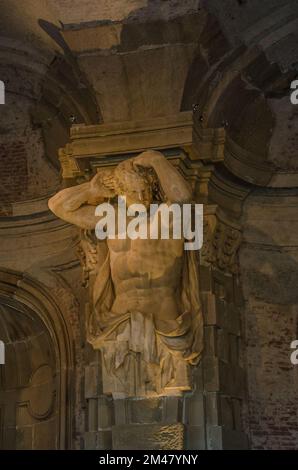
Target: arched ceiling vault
{"points": [[137, 59], [246, 90]]}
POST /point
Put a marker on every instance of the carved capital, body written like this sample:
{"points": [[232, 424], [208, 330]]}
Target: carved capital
{"points": [[69, 165], [221, 244], [87, 254]]}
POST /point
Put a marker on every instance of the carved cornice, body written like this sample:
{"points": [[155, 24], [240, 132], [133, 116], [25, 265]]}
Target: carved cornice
{"points": [[131, 136], [111, 143], [120, 139]]}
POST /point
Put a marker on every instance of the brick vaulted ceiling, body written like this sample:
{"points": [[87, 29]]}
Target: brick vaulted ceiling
{"points": [[103, 60]]}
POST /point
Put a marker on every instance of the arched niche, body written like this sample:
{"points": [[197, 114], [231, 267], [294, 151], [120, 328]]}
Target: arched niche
{"points": [[35, 382]]}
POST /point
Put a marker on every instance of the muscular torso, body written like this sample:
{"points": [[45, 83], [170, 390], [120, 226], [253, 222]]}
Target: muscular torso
{"points": [[146, 276]]}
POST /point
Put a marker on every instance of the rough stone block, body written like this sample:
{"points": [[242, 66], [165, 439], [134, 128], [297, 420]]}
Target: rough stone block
{"points": [[148, 437]]}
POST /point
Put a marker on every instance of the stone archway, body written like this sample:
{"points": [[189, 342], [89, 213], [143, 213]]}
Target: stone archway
{"points": [[35, 393]]}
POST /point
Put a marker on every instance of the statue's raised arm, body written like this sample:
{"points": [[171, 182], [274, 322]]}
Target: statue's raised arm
{"points": [[174, 186], [144, 311], [76, 205]]}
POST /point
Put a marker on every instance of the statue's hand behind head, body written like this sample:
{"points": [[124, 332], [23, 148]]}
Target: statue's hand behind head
{"points": [[147, 159], [102, 186]]}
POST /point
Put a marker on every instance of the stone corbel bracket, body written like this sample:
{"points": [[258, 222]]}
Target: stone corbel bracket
{"points": [[221, 244], [108, 144]]}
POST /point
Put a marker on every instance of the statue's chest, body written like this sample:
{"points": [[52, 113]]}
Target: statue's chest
{"points": [[140, 256]]}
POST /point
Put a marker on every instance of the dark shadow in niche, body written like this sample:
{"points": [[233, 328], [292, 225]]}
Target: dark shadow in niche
{"points": [[269, 279], [28, 386], [279, 284]]}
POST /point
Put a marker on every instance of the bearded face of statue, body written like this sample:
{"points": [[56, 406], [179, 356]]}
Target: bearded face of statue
{"points": [[132, 184], [139, 185]]}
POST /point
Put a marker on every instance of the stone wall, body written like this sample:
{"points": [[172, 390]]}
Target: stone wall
{"points": [[25, 172], [268, 261], [39, 268], [232, 62]]}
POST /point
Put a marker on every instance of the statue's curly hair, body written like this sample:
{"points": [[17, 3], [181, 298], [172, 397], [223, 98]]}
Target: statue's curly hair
{"points": [[127, 176]]}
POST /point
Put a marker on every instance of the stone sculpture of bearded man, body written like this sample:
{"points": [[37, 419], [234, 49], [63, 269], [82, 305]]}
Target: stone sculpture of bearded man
{"points": [[145, 314]]}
